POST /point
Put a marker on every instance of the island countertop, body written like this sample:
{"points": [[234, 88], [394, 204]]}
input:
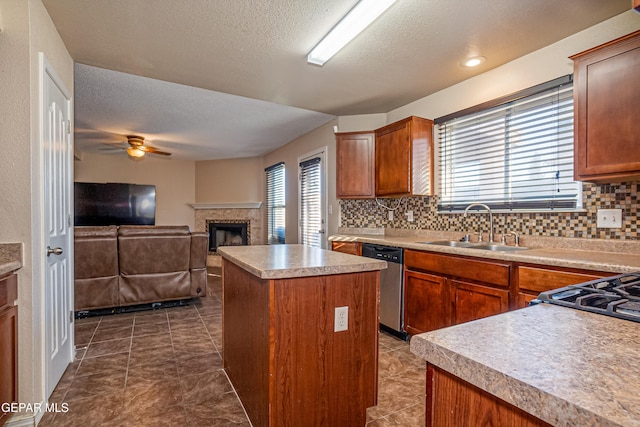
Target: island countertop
{"points": [[287, 261], [564, 366]]}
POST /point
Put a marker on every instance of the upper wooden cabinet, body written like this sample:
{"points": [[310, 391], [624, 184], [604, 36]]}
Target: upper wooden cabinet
{"points": [[404, 158], [355, 163], [606, 101]]}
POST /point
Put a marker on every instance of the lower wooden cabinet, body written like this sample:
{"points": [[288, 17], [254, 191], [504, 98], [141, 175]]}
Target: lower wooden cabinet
{"points": [[443, 290], [531, 280], [427, 303], [473, 301], [353, 248], [8, 343], [452, 401]]}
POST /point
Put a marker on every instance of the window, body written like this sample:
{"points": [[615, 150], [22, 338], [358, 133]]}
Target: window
{"points": [[275, 203], [311, 221], [515, 153]]}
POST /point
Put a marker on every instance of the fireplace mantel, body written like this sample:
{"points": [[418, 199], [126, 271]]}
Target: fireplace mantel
{"points": [[248, 205]]}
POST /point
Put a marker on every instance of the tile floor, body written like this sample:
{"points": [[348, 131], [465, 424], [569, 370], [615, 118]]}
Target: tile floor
{"points": [[164, 367]]}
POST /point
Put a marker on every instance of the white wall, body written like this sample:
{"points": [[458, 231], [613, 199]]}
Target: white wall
{"points": [[230, 181], [289, 154], [175, 181]]}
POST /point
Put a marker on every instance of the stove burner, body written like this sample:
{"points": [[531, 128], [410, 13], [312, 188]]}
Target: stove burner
{"points": [[617, 296], [629, 308]]}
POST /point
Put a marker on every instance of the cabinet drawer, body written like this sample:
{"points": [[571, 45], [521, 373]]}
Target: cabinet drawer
{"points": [[8, 291], [353, 248], [538, 280], [494, 273]]}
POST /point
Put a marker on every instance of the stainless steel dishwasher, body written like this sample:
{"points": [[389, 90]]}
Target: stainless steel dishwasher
{"points": [[391, 287]]}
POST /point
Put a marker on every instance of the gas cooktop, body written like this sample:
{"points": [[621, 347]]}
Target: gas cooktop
{"points": [[617, 296]]}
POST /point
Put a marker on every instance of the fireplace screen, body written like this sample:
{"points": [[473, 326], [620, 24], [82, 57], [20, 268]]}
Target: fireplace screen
{"points": [[227, 234]]}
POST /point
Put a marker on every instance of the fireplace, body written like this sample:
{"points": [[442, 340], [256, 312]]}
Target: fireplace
{"points": [[229, 233]]}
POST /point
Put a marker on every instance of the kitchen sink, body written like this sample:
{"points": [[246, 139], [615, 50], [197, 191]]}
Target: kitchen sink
{"points": [[479, 246], [500, 248], [450, 243]]}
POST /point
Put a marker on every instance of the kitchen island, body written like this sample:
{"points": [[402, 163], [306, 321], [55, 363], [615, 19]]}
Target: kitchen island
{"points": [[537, 366], [280, 349]]}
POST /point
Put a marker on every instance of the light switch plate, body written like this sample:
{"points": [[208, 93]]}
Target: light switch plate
{"points": [[609, 218]]}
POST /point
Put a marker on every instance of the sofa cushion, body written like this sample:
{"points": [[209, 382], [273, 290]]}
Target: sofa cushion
{"points": [[95, 252], [153, 250]]}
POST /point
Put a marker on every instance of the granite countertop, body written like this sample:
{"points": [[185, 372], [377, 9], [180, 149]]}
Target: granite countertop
{"points": [[588, 254], [10, 257], [567, 367], [286, 261]]}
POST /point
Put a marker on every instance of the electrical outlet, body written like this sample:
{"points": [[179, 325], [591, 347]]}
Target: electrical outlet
{"points": [[409, 215], [390, 215], [609, 218], [341, 320]]}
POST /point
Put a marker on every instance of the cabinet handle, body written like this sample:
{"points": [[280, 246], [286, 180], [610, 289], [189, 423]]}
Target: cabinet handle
{"points": [[55, 251]]}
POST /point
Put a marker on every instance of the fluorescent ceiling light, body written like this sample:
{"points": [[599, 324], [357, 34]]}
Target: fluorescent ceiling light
{"points": [[358, 18]]}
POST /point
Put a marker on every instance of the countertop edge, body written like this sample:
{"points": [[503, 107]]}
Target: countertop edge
{"points": [[361, 265], [9, 267], [535, 255]]}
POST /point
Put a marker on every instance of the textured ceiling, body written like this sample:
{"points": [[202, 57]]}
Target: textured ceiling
{"points": [[257, 50]]}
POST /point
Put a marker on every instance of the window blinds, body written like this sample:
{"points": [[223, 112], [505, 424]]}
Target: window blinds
{"points": [[310, 202], [275, 203], [516, 155]]}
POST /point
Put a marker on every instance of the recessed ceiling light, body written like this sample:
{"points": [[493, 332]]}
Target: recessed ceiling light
{"points": [[474, 61], [358, 18]]}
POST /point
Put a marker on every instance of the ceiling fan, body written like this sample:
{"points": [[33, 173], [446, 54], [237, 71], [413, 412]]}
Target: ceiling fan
{"points": [[137, 149]]}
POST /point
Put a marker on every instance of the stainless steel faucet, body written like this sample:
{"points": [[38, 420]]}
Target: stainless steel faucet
{"points": [[482, 205]]}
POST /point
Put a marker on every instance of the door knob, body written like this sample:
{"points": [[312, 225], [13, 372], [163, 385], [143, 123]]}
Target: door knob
{"points": [[55, 251]]}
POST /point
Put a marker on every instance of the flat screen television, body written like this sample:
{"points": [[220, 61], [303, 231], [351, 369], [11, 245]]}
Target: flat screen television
{"points": [[114, 204]]}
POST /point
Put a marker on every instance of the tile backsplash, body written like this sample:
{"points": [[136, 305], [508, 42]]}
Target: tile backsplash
{"points": [[582, 224]]}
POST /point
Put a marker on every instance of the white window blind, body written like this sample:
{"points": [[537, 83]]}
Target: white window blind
{"points": [[516, 155], [275, 203], [310, 202]]}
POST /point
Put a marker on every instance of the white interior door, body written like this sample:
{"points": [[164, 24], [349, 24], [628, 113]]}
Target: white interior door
{"points": [[312, 209], [57, 157]]}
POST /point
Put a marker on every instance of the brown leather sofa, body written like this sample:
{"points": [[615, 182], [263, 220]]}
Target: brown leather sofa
{"points": [[130, 265]]}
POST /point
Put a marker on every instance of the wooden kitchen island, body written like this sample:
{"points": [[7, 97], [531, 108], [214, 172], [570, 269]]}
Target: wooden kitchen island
{"points": [[280, 350]]}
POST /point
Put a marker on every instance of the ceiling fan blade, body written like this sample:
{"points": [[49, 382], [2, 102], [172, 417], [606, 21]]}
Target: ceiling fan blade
{"points": [[153, 150]]}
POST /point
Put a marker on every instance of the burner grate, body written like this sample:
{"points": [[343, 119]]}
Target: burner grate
{"points": [[617, 296]]}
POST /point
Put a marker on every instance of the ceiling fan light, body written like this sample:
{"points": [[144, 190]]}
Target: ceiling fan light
{"points": [[135, 152]]}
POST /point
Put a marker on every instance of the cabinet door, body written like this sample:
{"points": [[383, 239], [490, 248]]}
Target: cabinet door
{"points": [[474, 301], [353, 248], [427, 304], [393, 148], [8, 356], [355, 162], [404, 158], [607, 98]]}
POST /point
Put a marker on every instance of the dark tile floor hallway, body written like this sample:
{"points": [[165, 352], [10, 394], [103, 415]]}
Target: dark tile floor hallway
{"points": [[164, 367]]}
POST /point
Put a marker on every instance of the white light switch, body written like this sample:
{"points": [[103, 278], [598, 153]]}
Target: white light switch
{"points": [[609, 218]]}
